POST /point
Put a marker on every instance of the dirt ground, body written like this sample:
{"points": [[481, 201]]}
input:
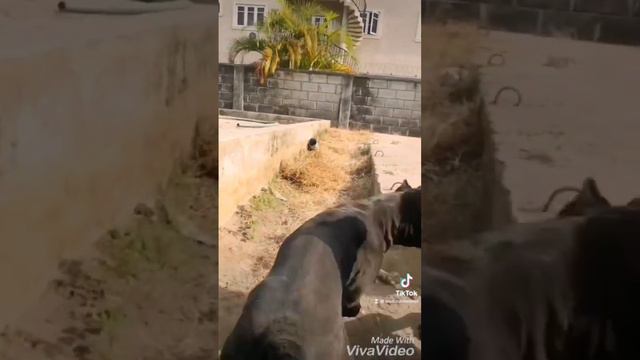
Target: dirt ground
{"points": [[340, 170], [148, 290]]}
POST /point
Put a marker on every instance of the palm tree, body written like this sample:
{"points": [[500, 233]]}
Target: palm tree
{"points": [[288, 38]]}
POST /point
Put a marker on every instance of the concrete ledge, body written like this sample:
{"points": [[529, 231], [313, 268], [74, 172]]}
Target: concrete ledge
{"points": [[249, 158], [282, 119]]}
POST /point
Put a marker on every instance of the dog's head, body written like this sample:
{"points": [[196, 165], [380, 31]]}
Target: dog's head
{"points": [[398, 216], [404, 186], [409, 229], [587, 200]]}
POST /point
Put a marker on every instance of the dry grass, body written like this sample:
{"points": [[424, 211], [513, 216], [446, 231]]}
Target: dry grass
{"points": [[450, 98], [331, 169], [311, 183], [453, 119], [341, 169]]}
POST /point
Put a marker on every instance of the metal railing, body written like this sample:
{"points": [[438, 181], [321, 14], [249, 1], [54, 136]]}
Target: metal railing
{"points": [[343, 57]]}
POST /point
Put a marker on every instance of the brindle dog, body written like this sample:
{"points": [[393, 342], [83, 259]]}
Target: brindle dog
{"points": [[561, 289], [318, 276]]}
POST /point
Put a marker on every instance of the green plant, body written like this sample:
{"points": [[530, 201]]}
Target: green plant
{"points": [[266, 201], [289, 39], [110, 321]]}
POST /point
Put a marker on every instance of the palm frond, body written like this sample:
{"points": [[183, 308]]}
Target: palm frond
{"points": [[288, 38], [245, 44]]}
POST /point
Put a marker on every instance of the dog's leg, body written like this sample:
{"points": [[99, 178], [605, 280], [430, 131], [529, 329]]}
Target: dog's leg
{"points": [[351, 302], [386, 278]]}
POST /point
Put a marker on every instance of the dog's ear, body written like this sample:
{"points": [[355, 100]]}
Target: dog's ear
{"points": [[592, 193], [589, 198], [410, 211], [404, 186]]}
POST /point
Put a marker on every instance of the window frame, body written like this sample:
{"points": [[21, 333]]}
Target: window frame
{"points": [[314, 17], [367, 24], [253, 27]]}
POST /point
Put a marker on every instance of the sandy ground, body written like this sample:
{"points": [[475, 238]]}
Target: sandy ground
{"points": [[146, 292], [578, 117], [249, 243]]}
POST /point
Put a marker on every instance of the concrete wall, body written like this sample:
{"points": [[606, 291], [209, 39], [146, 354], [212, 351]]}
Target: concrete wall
{"points": [[615, 22], [92, 123], [396, 51], [377, 103], [250, 158]]}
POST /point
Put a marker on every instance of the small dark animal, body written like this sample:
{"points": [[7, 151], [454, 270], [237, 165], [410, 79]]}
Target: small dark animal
{"points": [[313, 145], [318, 276]]}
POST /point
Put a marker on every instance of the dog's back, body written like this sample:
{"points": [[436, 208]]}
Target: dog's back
{"points": [[296, 312]]}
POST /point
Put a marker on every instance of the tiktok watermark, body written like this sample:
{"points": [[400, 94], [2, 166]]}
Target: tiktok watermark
{"points": [[405, 295], [384, 347]]}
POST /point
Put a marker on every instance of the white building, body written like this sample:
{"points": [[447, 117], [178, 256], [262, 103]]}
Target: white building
{"points": [[387, 34]]}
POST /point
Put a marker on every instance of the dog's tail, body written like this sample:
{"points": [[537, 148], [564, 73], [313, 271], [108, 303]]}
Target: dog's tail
{"points": [[281, 342]]}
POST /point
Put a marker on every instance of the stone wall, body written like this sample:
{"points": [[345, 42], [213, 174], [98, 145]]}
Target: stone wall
{"points": [[381, 104], [386, 105], [615, 21], [225, 87], [294, 93]]}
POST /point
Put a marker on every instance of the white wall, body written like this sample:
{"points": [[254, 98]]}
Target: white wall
{"points": [[394, 52], [92, 123]]}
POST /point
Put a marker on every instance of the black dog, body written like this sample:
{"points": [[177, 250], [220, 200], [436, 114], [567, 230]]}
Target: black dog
{"points": [[319, 274]]}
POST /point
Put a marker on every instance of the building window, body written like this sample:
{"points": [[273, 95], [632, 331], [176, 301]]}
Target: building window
{"points": [[371, 21], [247, 15], [318, 20]]}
